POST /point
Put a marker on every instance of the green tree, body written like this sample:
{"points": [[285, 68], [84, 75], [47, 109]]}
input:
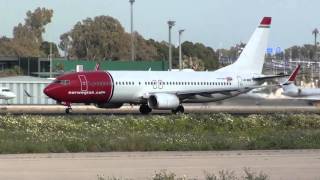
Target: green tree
{"points": [[297, 52], [145, 50], [6, 47], [45, 49], [27, 37], [100, 38], [162, 51], [202, 52]]}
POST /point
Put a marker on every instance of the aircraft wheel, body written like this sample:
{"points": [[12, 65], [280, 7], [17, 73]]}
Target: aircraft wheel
{"points": [[68, 110], [179, 110], [145, 109]]}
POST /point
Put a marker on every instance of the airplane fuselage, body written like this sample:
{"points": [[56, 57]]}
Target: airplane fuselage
{"points": [[136, 86], [302, 92]]}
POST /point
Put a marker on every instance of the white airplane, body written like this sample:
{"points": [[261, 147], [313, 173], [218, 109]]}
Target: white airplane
{"points": [[166, 90], [6, 94], [291, 90]]}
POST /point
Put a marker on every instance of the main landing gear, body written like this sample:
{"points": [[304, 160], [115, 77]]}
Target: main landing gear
{"points": [[145, 109], [178, 110]]}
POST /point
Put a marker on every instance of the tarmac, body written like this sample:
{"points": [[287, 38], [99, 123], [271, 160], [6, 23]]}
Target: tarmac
{"points": [[84, 110], [277, 164]]}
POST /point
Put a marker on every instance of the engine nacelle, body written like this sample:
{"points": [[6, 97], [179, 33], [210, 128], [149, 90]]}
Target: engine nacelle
{"points": [[163, 101], [109, 105]]}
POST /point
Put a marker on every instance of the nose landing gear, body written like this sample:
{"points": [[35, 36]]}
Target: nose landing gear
{"points": [[68, 109]]}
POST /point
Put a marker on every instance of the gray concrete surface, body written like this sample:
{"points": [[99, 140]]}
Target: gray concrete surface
{"points": [[193, 108], [282, 164]]}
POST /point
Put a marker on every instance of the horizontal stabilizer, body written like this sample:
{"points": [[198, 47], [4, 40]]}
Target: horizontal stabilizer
{"points": [[263, 78]]}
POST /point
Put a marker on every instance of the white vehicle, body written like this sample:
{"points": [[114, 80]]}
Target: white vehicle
{"points": [[6, 94], [166, 90]]}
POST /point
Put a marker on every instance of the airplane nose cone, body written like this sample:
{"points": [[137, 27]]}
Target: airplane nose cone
{"points": [[47, 91]]}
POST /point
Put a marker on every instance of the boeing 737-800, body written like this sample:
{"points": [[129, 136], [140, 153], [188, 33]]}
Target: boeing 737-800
{"points": [[166, 90]]}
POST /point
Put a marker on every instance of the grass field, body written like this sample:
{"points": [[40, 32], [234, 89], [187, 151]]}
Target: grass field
{"points": [[41, 134]]}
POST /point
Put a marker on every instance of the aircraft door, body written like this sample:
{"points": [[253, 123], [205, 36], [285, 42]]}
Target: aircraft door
{"points": [[160, 84], [83, 82], [154, 84]]}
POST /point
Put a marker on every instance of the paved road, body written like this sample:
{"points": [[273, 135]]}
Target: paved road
{"points": [[284, 164], [210, 108]]}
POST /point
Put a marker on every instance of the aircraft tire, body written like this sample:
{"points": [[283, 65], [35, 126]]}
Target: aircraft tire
{"points": [[178, 110], [68, 110], [145, 109]]}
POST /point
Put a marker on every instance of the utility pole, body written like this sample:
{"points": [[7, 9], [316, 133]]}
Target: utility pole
{"points": [[132, 33], [50, 60], [180, 50], [171, 24], [315, 32]]}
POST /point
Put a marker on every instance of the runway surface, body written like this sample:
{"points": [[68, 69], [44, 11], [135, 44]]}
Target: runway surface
{"points": [[282, 164], [233, 109]]}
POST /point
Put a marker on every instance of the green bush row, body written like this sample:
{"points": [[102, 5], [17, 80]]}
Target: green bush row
{"points": [[40, 134]]}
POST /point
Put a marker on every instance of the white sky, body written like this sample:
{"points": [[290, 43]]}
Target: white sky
{"points": [[216, 23]]}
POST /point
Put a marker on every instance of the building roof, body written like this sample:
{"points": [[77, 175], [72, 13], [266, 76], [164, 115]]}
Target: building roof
{"points": [[24, 79]]}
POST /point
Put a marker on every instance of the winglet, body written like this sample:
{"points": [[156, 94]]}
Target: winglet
{"points": [[293, 76], [266, 22]]}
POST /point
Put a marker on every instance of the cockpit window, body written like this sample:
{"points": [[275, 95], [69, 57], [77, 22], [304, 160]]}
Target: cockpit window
{"points": [[57, 81], [63, 82], [5, 90]]}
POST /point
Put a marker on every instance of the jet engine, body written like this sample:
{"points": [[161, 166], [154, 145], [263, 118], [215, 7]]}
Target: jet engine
{"points": [[163, 101], [109, 105]]}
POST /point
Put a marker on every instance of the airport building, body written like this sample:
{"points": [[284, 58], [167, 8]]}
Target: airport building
{"points": [[40, 67], [29, 90]]}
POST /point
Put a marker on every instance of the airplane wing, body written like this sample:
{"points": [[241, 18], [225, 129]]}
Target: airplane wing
{"points": [[208, 93]]}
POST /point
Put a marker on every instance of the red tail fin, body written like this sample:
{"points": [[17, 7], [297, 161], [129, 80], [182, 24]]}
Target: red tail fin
{"points": [[294, 74]]}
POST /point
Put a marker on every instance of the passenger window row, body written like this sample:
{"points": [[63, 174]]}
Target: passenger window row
{"points": [[63, 82], [125, 83], [190, 83], [178, 83]]}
